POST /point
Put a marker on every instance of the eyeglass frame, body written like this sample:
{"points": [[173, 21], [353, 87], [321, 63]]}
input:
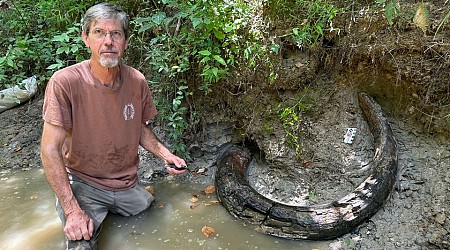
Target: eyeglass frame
{"points": [[104, 33]]}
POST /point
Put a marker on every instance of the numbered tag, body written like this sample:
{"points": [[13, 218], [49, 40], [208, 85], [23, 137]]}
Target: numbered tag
{"points": [[349, 135]]}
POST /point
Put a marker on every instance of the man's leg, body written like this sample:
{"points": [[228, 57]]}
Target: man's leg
{"points": [[132, 201], [94, 203]]}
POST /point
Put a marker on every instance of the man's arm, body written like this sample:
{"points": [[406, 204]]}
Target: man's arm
{"points": [[152, 144], [78, 224]]}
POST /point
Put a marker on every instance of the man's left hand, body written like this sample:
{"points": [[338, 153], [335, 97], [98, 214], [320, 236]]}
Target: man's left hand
{"points": [[175, 165]]}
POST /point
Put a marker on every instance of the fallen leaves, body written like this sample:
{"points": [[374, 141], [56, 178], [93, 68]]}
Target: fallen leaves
{"points": [[422, 17], [307, 163], [150, 189], [212, 203], [210, 189], [193, 199], [205, 203], [206, 200], [208, 231]]}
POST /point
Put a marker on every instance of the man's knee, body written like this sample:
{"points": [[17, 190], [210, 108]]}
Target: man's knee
{"points": [[134, 201]]}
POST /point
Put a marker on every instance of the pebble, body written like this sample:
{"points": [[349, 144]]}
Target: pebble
{"points": [[440, 218]]}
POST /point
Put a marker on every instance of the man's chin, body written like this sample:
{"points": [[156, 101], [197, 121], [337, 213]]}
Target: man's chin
{"points": [[109, 63]]}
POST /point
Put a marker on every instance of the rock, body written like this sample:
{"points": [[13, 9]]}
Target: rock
{"points": [[440, 218]]}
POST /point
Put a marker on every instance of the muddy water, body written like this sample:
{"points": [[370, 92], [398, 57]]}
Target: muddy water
{"points": [[29, 220], [28, 216]]}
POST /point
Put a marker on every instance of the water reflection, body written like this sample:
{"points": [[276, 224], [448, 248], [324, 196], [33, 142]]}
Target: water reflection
{"points": [[29, 220]]}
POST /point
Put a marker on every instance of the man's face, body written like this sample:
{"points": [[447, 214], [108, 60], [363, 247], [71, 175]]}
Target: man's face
{"points": [[107, 42]]}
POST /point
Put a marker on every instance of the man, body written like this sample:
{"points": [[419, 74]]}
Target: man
{"points": [[95, 117]]}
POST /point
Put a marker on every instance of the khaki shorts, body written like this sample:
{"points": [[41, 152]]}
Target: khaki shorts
{"points": [[96, 203]]}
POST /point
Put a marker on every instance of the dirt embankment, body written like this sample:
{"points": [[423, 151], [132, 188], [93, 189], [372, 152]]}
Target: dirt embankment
{"points": [[406, 69]]}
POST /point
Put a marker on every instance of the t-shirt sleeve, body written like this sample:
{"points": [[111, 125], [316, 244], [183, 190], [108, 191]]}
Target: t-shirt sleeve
{"points": [[57, 104], [149, 109]]}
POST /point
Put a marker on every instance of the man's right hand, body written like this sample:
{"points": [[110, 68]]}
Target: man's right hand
{"points": [[78, 226]]}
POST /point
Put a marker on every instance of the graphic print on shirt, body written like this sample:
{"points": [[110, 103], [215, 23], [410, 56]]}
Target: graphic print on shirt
{"points": [[128, 111]]}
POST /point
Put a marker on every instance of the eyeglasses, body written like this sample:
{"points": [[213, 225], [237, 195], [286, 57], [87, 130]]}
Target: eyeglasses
{"points": [[100, 34]]}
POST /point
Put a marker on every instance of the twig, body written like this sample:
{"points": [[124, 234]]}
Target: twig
{"points": [[177, 29], [442, 22]]}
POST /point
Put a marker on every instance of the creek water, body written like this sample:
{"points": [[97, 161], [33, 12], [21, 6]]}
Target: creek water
{"points": [[29, 220]]}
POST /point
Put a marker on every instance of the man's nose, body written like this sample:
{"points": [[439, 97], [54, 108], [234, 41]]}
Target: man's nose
{"points": [[108, 38]]}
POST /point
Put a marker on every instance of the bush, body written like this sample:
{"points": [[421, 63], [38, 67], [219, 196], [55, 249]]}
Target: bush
{"points": [[39, 37], [307, 19], [192, 45]]}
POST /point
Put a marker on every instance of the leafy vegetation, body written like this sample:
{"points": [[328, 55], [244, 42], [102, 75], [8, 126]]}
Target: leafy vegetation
{"points": [[312, 196], [308, 19], [38, 37], [290, 118], [192, 46]]}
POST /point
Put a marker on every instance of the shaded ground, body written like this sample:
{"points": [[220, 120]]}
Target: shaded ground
{"points": [[406, 71]]}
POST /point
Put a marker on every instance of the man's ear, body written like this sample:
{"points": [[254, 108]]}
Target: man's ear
{"points": [[85, 39]]}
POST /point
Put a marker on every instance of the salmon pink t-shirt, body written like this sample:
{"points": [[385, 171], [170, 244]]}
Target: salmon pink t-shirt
{"points": [[103, 124]]}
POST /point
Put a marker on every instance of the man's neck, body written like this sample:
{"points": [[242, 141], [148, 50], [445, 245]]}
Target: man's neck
{"points": [[105, 75]]}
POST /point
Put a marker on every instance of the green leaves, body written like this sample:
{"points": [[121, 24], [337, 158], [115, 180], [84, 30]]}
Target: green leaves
{"points": [[196, 40], [205, 53], [392, 9], [64, 37], [196, 21], [40, 36], [69, 46], [443, 21], [310, 19], [8, 60], [176, 120], [291, 121], [200, 36], [155, 20], [208, 55], [219, 60]]}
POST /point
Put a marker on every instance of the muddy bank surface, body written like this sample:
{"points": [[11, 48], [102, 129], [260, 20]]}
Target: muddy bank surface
{"points": [[415, 216]]}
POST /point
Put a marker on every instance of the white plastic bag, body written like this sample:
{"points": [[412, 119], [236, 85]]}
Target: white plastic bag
{"points": [[12, 97]]}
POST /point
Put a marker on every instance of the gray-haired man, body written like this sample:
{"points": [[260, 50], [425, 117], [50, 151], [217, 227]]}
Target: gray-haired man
{"points": [[95, 117]]}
